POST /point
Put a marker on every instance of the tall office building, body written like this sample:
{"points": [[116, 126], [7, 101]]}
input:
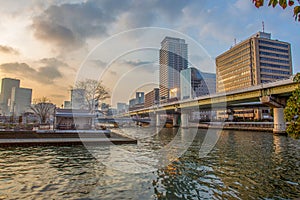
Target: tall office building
{"points": [[20, 100], [6, 89], [173, 57], [258, 59], [194, 83]]}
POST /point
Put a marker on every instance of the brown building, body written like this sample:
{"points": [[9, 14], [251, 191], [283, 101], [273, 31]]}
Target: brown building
{"points": [[258, 59], [152, 98]]}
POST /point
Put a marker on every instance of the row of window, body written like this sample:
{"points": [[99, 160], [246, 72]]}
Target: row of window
{"points": [[238, 59], [233, 54], [233, 70], [273, 43], [272, 76], [226, 69], [236, 49], [273, 54], [274, 71], [274, 60], [274, 65], [273, 49], [233, 79]]}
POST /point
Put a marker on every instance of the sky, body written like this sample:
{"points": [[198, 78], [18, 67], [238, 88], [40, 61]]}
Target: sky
{"points": [[51, 44]]}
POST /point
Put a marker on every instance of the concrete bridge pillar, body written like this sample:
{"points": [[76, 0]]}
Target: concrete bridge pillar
{"points": [[184, 120], [157, 120], [152, 120], [279, 122], [175, 120]]}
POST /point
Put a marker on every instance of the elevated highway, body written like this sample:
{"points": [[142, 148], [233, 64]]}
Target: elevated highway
{"points": [[273, 94]]}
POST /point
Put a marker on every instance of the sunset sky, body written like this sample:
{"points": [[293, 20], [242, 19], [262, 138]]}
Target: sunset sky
{"points": [[49, 45]]}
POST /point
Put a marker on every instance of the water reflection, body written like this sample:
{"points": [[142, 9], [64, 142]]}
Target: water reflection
{"points": [[242, 165]]}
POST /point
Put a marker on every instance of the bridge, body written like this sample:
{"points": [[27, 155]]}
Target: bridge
{"points": [[273, 94]]}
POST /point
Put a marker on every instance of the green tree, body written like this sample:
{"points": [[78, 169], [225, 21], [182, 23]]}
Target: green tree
{"points": [[43, 108], [283, 4], [92, 91], [292, 111]]}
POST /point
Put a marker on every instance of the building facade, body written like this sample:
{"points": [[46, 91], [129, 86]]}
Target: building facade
{"points": [[140, 97], [122, 107], [67, 105], [258, 59], [173, 57], [152, 98], [210, 81], [20, 100], [6, 89], [194, 83], [137, 102]]}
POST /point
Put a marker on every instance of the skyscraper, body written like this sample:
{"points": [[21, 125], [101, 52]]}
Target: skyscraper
{"points": [[6, 89], [173, 57], [20, 100], [258, 59]]}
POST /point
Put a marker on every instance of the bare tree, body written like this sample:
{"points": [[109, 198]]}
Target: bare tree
{"points": [[92, 91], [43, 107]]}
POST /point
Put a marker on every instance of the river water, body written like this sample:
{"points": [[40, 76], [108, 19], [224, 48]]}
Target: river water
{"points": [[241, 165]]}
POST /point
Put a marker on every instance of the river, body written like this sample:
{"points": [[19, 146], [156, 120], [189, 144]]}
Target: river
{"points": [[241, 165]]}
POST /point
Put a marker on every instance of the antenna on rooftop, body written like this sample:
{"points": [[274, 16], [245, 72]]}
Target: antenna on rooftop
{"points": [[234, 41], [263, 26]]}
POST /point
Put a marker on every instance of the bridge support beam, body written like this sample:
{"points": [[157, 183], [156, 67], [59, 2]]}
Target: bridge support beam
{"points": [[184, 120], [279, 122]]}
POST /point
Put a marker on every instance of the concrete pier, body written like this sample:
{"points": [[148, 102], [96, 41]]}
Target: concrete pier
{"points": [[157, 120], [184, 120], [279, 122]]}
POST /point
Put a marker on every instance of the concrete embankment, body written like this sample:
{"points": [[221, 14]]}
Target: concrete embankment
{"points": [[28, 138], [241, 126]]}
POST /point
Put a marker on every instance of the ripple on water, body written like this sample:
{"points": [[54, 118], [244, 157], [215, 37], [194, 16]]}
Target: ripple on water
{"points": [[243, 165]]}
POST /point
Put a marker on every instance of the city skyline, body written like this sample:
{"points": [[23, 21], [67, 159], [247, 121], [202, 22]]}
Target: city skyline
{"points": [[44, 43]]}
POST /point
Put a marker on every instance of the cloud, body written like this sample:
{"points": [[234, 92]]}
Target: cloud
{"points": [[53, 62], [55, 33], [46, 74], [69, 25], [146, 66], [8, 50], [136, 63]]}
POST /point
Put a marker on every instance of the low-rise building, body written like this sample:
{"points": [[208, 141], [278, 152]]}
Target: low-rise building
{"points": [[73, 119]]}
